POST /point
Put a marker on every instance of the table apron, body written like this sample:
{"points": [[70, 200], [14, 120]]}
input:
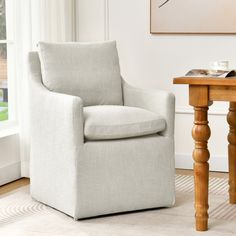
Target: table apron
{"points": [[222, 93]]}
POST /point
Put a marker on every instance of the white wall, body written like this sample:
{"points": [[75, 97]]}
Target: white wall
{"points": [[9, 159], [154, 60]]}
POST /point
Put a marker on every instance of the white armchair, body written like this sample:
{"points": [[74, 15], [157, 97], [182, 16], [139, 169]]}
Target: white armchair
{"points": [[99, 146]]}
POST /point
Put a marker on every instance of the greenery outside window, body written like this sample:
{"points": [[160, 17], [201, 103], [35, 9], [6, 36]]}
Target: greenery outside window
{"points": [[3, 64]]}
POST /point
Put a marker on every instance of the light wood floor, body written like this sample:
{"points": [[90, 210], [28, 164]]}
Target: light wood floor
{"points": [[7, 188], [14, 185]]}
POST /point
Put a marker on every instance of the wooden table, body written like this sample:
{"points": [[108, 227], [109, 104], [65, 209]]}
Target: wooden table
{"points": [[202, 93]]}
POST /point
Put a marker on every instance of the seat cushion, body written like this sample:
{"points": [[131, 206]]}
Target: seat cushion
{"points": [[87, 70], [116, 122]]}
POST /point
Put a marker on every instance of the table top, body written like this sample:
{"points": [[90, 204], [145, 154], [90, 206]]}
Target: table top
{"points": [[230, 81]]}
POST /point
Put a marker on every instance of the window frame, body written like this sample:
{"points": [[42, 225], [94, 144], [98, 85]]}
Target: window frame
{"points": [[10, 126]]}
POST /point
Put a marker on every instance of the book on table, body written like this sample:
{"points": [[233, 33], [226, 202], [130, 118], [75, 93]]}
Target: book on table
{"points": [[211, 73]]}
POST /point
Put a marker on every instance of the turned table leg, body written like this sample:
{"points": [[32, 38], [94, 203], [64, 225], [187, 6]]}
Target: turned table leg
{"points": [[201, 133], [231, 118]]}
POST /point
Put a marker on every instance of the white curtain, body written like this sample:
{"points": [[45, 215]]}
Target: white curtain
{"points": [[37, 20]]}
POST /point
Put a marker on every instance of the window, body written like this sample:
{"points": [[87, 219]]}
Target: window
{"points": [[3, 64]]}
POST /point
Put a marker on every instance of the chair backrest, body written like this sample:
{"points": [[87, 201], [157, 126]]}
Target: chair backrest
{"points": [[88, 70]]}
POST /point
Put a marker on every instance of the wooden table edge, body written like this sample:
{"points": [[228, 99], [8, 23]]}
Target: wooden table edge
{"points": [[205, 80]]}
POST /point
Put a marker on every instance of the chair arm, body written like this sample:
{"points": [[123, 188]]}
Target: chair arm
{"points": [[56, 120], [158, 101]]}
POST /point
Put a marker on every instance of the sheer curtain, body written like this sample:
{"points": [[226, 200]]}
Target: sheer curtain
{"points": [[37, 20]]}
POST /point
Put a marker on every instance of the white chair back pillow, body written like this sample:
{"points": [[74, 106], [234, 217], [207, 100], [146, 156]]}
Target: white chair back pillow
{"points": [[88, 70]]}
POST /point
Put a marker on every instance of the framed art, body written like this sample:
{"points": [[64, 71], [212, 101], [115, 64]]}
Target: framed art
{"points": [[193, 16]]}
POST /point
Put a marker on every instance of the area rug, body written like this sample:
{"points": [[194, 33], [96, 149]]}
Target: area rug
{"points": [[22, 216]]}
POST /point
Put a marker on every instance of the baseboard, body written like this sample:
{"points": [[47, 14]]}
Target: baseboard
{"points": [[216, 163], [10, 172]]}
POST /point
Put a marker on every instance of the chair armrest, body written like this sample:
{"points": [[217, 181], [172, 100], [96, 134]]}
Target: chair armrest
{"points": [[56, 120], [158, 101], [57, 137]]}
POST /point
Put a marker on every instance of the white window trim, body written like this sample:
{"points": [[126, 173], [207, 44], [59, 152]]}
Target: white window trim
{"points": [[6, 41], [10, 126]]}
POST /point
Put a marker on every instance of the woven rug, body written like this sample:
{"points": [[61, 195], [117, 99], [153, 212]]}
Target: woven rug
{"points": [[22, 216]]}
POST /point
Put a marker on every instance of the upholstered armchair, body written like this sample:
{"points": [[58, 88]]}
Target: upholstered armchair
{"points": [[99, 146]]}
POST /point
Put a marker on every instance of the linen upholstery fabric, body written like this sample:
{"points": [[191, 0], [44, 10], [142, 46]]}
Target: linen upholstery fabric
{"points": [[125, 175], [56, 136], [90, 71], [114, 122], [157, 101], [90, 178]]}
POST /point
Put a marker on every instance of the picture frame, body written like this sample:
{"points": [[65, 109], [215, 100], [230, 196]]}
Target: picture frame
{"points": [[192, 17]]}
